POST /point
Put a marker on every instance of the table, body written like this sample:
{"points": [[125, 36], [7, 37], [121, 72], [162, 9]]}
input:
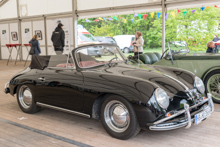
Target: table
{"points": [[18, 49], [28, 50], [10, 49]]}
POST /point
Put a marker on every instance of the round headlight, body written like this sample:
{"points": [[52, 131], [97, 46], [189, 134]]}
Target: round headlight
{"points": [[199, 85], [162, 98]]}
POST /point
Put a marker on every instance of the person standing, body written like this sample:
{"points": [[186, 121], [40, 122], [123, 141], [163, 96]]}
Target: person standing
{"points": [[58, 38], [216, 39], [210, 47], [138, 43], [35, 46]]}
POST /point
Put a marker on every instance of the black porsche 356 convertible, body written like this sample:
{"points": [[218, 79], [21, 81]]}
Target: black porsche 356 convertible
{"points": [[96, 81]]}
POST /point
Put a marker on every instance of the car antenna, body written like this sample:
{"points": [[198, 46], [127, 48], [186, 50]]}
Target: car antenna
{"points": [[170, 52]]}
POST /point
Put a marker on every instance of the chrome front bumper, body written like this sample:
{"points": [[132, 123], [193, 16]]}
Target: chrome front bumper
{"points": [[7, 90], [161, 125]]}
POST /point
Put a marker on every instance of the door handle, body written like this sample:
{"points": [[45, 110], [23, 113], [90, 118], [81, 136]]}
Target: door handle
{"points": [[42, 79]]}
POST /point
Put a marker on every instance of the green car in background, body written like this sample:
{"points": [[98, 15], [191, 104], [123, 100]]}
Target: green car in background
{"points": [[205, 66]]}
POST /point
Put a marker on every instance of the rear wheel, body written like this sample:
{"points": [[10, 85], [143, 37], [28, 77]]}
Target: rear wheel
{"points": [[212, 84], [25, 100], [126, 50], [119, 118]]}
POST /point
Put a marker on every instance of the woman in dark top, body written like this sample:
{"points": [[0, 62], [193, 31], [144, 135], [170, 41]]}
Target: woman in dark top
{"points": [[35, 46], [210, 47]]}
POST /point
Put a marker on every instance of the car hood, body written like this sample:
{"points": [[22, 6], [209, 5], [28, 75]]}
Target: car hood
{"points": [[172, 80]]}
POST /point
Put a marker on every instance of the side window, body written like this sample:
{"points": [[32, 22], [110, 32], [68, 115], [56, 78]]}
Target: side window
{"points": [[61, 61]]}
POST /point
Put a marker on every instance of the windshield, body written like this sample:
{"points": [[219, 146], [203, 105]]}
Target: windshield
{"points": [[87, 38], [178, 47], [92, 56]]}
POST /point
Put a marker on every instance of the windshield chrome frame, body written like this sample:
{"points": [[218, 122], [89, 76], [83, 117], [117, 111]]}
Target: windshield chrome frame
{"points": [[170, 53], [119, 52]]}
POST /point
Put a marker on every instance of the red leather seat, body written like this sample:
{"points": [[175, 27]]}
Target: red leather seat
{"points": [[88, 63], [64, 65]]}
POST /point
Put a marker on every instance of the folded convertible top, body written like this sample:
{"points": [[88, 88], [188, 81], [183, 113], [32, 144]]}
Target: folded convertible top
{"points": [[39, 62]]}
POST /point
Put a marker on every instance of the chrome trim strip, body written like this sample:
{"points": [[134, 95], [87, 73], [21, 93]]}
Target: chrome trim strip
{"points": [[62, 109], [186, 88], [6, 85]]}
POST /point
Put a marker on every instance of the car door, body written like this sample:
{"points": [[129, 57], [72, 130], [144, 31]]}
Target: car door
{"points": [[61, 86]]}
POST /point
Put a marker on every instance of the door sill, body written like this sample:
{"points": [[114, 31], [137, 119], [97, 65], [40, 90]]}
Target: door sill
{"points": [[64, 110]]}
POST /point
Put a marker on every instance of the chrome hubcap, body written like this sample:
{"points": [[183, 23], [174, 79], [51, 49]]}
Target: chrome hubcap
{"points": [[116, 116], [25, 97]]}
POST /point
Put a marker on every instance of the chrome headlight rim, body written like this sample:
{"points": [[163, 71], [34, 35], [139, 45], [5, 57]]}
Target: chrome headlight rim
{"points": [[199, 85], [160, 103]]}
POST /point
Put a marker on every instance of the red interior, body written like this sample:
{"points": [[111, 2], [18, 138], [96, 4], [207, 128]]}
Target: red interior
{"points": [[64, 65], [84, 64]]}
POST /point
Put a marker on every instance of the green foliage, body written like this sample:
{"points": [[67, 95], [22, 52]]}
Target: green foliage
{"points": [[196, 29]]}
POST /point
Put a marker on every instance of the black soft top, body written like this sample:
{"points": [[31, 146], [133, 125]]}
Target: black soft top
{"points": [[39, 62]]}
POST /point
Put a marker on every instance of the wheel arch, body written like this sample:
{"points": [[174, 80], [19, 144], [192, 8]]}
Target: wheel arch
{"points": [[139, 108], [98, 103], [209, 71]]}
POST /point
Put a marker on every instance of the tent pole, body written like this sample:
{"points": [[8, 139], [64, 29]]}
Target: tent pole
{"points": [[163, 25], [75, 25], [45, 30], [19, 29]]}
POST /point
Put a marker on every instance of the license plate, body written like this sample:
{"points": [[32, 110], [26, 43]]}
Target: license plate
{"points": [[202, 115]]}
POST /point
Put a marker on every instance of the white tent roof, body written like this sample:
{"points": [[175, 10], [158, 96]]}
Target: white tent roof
{"points": [[93, 8], [99, 8]]}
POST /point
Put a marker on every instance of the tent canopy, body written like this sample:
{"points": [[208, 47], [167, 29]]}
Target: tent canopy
{"points": [[99, 8]]}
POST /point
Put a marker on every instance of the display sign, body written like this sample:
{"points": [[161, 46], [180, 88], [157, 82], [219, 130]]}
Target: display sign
{"points": [[4, 35], [39, 34], [27, 32], [14, 36]]}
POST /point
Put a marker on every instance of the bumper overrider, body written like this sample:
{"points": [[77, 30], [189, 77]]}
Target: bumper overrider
{"points": [[169, 122]]}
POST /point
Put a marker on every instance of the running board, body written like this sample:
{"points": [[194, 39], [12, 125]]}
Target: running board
{"points": [[62, 109]]}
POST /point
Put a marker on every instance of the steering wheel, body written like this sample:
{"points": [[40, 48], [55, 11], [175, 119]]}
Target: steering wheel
{"points": [[164, 53], [110, 61]]}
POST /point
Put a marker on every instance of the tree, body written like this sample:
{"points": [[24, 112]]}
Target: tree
{"points": [[196, 29]]}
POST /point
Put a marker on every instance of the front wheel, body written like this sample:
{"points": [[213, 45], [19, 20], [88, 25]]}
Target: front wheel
{"points": [[212, 83], [119, 118], [25, 100]]}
